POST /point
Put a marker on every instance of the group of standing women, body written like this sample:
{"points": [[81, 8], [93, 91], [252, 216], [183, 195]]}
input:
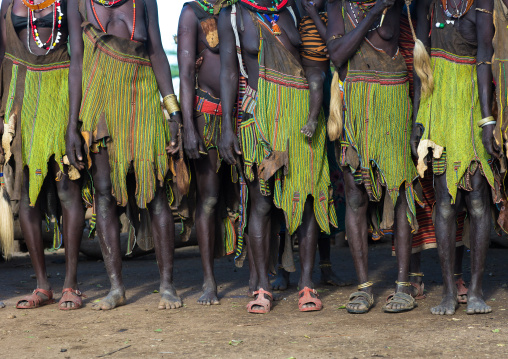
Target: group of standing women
{"points": [[253, 123]]}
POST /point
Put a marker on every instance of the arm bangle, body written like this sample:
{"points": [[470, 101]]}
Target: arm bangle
{"points": [[488, 123], [171, 103], [483, 63], [485, 120]]}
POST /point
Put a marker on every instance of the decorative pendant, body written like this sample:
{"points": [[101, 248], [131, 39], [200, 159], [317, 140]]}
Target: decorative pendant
{"points": [[440, 25], [275, 28]]}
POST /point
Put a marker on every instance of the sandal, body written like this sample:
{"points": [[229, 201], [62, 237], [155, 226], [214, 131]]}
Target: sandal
{"points": [[400, 298], [307, 298], [71, 295], [360, 298], [260, 301], [461, 291], [419, 291], [34, 301]]}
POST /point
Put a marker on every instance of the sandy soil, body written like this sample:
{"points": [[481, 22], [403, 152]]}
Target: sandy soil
{"points": [[228, 331]]}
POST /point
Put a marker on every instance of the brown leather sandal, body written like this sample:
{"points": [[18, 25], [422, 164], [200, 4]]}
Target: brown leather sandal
{"points": [[34, 301], [71, 295]]}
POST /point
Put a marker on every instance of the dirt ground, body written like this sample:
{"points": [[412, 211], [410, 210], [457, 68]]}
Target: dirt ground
{"points": [[139, 329]]}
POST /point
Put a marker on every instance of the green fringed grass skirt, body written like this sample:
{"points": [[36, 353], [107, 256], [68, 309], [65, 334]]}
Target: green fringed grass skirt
{"points": [[449, 117], [375, 144], [121, 107], [270, 132], [44, 115]]}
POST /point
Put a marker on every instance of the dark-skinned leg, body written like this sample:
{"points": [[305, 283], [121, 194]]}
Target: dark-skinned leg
{"points": [[260, 209], [208, 187], [459, 281], [253, 272], [73, 221], [403, 241], [308, 234], [316, 78], [30, 220], [328, 276], [415, 268], [446, 227], [478, 205], [282, 280], [357, 202], [163, 229], [108, 230]]}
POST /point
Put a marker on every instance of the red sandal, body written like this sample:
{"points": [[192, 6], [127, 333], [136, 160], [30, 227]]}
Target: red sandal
{"points": [[34, 301], [71, 295], [260, 301], [306, 298]]}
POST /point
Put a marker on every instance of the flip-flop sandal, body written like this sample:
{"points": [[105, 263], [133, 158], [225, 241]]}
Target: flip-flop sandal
{"points": [[307, 298], [34, 301], [461, 291], [360, 298], [419, 290], [71, 295], [260, 301], [400, 298]]}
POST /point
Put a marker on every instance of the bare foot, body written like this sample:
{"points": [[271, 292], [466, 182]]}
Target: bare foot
{"points": [[169, 299], [2, 305], [476, 305], [115, 298], [447, 306], [309, 129], [282, 280], [209, 296]]}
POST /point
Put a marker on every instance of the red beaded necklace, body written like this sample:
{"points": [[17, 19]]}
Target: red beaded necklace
{"points": [[113, 2]]}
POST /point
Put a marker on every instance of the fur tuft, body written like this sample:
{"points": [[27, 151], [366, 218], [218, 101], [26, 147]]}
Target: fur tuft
{"points": [[6, 224], [335, 121], [421, 61]]}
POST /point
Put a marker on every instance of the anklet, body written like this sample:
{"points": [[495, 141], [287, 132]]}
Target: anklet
{"points": [[365, 285], [403, 284], [416, 274], [458, 274]]}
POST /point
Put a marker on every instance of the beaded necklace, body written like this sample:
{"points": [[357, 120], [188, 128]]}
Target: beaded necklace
{"points": [[457, 13], [278, 5], [133, 15], [363, 8], [58, 15], [110, 3], [206, 6]]}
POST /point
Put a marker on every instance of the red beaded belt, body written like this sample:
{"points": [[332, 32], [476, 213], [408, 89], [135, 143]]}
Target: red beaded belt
{"points": [[206, 103]]}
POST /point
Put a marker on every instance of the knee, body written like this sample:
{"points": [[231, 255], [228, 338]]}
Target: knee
{"points": [[209, 203], [478, 206], [261, 208], [316, 82], [356, 201], [445, 209], [103, 188]]}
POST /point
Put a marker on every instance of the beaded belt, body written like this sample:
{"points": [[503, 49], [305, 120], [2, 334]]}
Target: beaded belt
{"points": [[206, 103]]}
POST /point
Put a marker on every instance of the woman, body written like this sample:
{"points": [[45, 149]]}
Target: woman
{"points": [[35, 67]]}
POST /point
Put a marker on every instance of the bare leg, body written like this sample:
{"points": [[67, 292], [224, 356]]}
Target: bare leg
{"points": [[356, 228], [415, 268], [259, 234], [108, 230], [73, 213], [163, 229], [478, 203], [308, 236], [253, 273], [282, 280], [328, 276], [30, 220], [403, 241], [316, 78], [208, 186], [446, 227]]}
